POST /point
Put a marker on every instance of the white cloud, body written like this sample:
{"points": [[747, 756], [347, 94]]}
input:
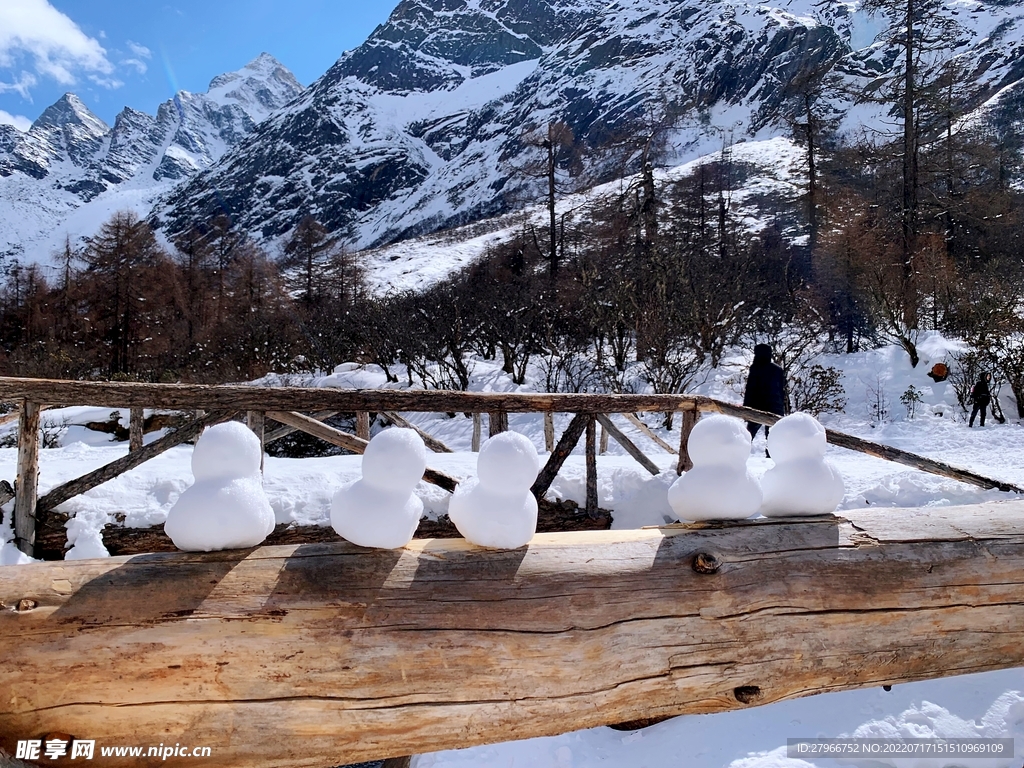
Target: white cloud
{"points": [[56, 46], [21, 85], [18, 121], [138, 60], [140, 50]]}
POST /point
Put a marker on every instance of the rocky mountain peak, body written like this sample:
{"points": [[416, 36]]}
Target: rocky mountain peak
{"points": [[69, 110]]}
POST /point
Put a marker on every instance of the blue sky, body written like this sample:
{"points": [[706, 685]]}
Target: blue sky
{"points": [[117, 53]]}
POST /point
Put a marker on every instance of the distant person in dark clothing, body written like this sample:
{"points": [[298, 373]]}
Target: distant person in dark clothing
{"points": [[766, 387], [981, 396]]}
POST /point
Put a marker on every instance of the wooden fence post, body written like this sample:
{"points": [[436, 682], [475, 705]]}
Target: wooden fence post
{"points": [[592, 469], [136, 429], [497, 422], [476, 432], [549, 431], [604, 440], [257, 422], [27, 484], [690, 416], [363, 425]]}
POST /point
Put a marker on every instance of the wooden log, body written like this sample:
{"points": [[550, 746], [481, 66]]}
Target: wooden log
{"points": [[257, 422], [549, 432], [476, 433], [136, 429], [591, 459], [636, 422], [26, 486], [284, 430], [566, 443], [497, 422], [46, 507], [628, 445], [363, 425], [321, 654], [308, 399], [431, 442], [350, 443], [603, 449], [685, 463]]}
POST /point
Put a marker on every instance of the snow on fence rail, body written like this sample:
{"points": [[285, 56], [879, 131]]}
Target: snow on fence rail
{"points": [[36, 516]]}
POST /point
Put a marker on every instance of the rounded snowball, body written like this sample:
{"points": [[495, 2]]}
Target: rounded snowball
{"points": [[802, 487], [226, 452], [370, 516], [718, 492], [721, 440], [395, 459], [216, 515], [508, 462], [797, 436], [493, 519]]}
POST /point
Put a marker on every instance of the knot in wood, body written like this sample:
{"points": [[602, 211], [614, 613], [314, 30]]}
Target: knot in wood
{"points": [[747, 694], [25, 605], [704, 562]]}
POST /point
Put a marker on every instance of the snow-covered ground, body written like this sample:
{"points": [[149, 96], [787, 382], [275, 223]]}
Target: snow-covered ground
{"points": [[301, 490]]}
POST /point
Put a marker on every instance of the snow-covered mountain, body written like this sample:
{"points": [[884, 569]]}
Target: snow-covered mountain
{"points": [[433, 122], [422, 127], [70, 171]]}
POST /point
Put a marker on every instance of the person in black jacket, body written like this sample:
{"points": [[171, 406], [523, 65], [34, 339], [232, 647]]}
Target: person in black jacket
{"points": [[981, 396], [766, 387]]}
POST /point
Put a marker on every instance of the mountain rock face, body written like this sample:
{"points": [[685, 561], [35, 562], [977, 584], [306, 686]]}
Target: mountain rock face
{"points": [[439, 118], [70, 170], [434, 120]]}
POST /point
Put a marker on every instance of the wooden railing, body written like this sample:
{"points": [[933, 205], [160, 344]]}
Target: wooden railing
{"points": [[34, 515]]}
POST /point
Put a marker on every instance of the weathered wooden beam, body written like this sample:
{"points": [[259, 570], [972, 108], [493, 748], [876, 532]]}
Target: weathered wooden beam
{"points": [[350, 443], [284, 430], [497, 422], [591, 462], [430, 441], [685, 463], [321, 654], [307, 399], [628, 445], [566, 443], [549, 432], [363, 425], [475, 447], [136, 428], [60, 494], [636, 422], [26, 486]]}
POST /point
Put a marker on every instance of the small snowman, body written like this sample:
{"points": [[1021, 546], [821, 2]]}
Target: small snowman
{"points": [[380, 509], [719, 486], [226, 507], [496, 509], [802, 482]]}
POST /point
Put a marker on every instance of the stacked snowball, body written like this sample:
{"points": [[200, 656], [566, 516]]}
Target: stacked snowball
{"points": [[496, 509], [719, 486], [802, 482], [380, 509], [227, 507]]}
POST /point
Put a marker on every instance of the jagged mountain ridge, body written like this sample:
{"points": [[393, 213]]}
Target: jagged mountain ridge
{"points": [[422, 127], [70, 169]]}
